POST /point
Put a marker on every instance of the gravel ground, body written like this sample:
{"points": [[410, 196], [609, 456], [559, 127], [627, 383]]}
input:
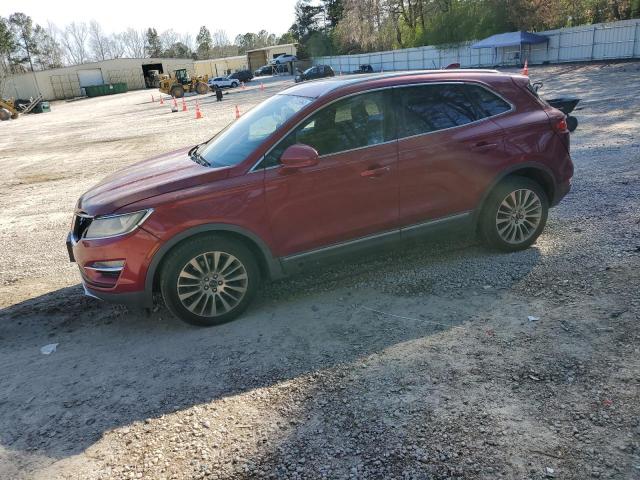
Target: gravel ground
{"points": [[419, 363]]}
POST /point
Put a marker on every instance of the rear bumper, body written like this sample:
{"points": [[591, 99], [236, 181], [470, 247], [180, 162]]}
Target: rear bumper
{"points": [[561, 191]]}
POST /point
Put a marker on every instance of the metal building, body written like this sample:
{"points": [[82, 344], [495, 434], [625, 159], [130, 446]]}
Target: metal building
{"points": [[261, 56]]}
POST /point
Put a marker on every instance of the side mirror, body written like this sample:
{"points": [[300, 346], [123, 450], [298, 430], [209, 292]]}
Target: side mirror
{"points": [[298, 156]]}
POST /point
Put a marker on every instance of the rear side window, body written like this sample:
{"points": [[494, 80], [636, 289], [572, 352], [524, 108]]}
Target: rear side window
{"points": [[488, 103], [355, 122], [429, 108]]}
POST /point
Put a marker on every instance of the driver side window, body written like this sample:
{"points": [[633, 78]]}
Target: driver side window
{"points": [[355, 122]]}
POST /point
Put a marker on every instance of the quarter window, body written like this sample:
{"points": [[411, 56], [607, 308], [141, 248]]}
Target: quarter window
{"points": [[355, 122], [429, 108], [488, 103]]}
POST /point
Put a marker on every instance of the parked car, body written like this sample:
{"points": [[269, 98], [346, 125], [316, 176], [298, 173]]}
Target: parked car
{"points": [[364, 69], [264, 70], [318, 71], [223, 82], [242, 75], [284, 58], [319, 171]]}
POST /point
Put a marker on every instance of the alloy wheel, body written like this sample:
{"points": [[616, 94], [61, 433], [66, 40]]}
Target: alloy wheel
{"points": [[212, 284], [519, 216]]}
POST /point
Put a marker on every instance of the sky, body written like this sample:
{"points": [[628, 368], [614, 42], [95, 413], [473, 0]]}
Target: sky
{"points": [[235, 17]]}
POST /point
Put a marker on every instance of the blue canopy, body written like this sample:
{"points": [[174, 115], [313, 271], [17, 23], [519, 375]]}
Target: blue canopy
{"points": [[510, 39]]}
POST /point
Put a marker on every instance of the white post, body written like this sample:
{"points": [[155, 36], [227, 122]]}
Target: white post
{"points": [[635, 39]]}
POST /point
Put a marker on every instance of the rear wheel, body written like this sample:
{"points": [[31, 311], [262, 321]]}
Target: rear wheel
{"points": [[177, 91], [209, 280], [4, 114], [202, 88], [514, 215]]}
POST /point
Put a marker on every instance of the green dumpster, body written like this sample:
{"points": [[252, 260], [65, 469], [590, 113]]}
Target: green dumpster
{"points": [[106, 89]]}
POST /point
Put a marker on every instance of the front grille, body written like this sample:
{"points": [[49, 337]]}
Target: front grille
{"points": [[81, 222]]}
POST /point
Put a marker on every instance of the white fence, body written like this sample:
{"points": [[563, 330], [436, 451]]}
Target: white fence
{"points": [[602, 41]]}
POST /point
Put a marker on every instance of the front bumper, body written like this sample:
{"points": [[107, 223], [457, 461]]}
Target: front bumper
{"points": [[132, 299], [119, 285]]}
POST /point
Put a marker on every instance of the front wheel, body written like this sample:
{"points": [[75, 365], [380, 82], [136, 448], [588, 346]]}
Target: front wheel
{"points": [[201, 88], [209, 280], [514, 215], [235, 84]]}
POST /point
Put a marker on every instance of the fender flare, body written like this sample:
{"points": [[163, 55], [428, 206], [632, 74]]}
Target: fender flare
{"points": [[272, 264], [546, 171]]}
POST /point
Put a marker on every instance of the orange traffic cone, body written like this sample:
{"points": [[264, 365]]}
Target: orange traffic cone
{"points": [[525, 70], [161, 100], [174, 105], [152, 99], [237, 112], [198, 112], [184, 105]]}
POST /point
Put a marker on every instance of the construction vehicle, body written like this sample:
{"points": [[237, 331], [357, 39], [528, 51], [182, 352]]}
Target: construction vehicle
{"points": [[12, 108], [152, 80], [180, 82]]}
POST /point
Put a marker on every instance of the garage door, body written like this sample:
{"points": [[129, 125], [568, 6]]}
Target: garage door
{"points": [[90, 77]]}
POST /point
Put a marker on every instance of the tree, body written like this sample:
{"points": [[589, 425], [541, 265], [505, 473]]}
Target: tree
{"points": [[167, 39], [154, 46], [178, 50], [49, 50], [74, 42], [286, 38], [98, 41], [7, 46], [204, 43], [25, 41], [307, 19], [221, 45], [134, 43]]}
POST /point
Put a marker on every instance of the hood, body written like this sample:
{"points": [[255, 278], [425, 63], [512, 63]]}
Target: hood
{"points": [[155, 176]]}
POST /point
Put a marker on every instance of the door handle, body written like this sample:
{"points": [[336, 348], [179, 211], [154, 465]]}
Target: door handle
{"points": [[481, 146], [375, 172]]}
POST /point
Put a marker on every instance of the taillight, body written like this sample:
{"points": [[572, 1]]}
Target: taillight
{"points": [[561, 126]]}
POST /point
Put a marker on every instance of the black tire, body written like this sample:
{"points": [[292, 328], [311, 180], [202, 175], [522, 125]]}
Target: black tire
{"points": [[4, 114], [202, 88], [177, 91], [234, 84], [491, 218], [193, 249]]}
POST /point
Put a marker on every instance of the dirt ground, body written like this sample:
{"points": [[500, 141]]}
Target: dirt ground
{"points": [[416, 364]]}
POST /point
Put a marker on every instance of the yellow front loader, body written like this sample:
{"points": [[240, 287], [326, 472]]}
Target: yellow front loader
{"points": [[180, 82], [8, 110]]}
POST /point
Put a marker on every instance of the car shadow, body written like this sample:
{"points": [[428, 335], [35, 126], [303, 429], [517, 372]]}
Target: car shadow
{"points": [[113, 366]]}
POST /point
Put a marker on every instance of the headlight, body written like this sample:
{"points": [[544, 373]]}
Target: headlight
{"points": [[114, 225]]}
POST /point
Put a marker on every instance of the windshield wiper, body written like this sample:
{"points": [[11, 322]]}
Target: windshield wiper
{"points": [[196, 157]]}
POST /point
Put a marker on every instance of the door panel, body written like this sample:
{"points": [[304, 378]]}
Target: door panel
{"points": [[446, 172], [451, 150], [353, 190], [334, 201]]}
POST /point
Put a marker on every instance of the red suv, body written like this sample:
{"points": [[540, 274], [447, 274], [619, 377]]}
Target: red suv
{"points": [[321, 169]]}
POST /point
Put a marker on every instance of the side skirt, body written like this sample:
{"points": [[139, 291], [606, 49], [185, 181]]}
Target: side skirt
{"points": [[293, 264]]}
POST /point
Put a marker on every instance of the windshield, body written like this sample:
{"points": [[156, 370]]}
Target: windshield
{"points": [[233, 144]]}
